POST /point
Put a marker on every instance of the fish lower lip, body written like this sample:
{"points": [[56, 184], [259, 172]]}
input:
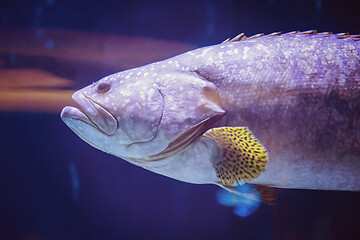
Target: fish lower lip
{"points": [[75, 114]]}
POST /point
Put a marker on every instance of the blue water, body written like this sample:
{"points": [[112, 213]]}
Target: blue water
{"points": [[243, 205], [55, 186]]}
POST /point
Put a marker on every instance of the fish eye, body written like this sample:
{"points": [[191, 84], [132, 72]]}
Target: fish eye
{"points": [[103, 87]]}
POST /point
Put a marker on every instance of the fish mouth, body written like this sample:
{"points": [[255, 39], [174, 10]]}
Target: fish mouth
{"points": [[91, 113]]}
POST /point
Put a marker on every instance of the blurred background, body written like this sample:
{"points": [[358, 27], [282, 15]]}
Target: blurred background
{"points": [[55, 186]]}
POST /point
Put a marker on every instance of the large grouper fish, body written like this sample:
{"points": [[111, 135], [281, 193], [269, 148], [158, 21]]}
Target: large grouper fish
{"points": [[280, 110]]}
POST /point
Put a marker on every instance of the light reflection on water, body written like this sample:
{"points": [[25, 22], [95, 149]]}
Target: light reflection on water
{"points": [[33, 90], [242, 206], [37, 76]]}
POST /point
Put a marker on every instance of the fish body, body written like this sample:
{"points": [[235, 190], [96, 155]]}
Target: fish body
{"points": [[280, 110]]}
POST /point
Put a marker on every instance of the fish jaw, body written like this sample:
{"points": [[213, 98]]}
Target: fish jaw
{"points": [[80, 123], [93, 114], [73, 116], [97, 125]]}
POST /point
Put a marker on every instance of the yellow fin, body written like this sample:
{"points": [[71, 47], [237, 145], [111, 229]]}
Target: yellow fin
{"points": [[243, 157]]}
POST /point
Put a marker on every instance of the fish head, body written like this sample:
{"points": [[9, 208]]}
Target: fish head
{"points": [[113, 113], [137, 116]]}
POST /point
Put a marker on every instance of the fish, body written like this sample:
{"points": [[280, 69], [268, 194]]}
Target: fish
{"points": [[272, 111]]}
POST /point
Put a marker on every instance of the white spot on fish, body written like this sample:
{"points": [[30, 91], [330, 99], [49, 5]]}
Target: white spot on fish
{"points": [[151, 91], [287, 53], [125, 93], [259, 46], [245, 53], [154, 107], [209, 61], [170, 98], [202, 84], [204, 52]]}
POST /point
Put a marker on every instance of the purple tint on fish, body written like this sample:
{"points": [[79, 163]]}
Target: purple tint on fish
{"points": [[280, 110]]}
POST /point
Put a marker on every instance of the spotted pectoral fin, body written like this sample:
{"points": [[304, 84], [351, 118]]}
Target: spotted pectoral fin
{"points": [[242, 157]]}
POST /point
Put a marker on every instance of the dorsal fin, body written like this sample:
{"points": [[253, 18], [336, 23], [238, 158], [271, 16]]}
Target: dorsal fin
{"points": [[325, 33], [293, 32], [309, 32], [256, 36], [274, 34], [242, 36], [239, 37]]}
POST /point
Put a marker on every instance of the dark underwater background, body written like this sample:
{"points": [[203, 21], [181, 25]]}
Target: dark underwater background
{"points": [[55, 186]]}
